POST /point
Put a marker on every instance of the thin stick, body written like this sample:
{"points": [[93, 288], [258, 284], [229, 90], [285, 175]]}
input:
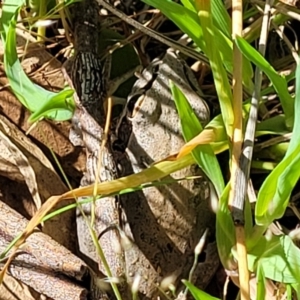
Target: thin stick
{"points": [[152, 33], [243, 169], [238, 211], [237, 93]]}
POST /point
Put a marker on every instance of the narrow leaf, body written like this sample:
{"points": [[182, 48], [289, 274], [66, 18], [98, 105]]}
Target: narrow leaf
{"points": [[225, 232], [198, 294], [187, 20], [220, 77], [30, 95], [274, 194], [279, 82], [191, 126]]}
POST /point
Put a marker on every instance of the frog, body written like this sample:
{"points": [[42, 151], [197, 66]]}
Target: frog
{"points": [[161, 224]]}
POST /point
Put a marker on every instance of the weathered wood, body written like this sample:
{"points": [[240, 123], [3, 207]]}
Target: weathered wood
{"points": [[42, 263]]}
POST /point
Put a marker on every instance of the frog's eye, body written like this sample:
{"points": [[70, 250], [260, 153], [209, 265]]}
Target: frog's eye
{"points": [[134, 104]]}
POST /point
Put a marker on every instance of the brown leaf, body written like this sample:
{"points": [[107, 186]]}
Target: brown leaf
{"points": [[205, 137], [13, 289], [40, 178], [16, 157]]}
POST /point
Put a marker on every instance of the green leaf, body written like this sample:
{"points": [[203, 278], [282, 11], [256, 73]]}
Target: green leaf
{"points": [[221, 17], [261, 286], [275, 125], [296, 287], [278, 259], [274, 194], [186, 18], [198, 294], [33, 97], [188, 4], [279, 82], [52, 108], [8, 11], [220, 77], [191, 126], [275, 152], [225, 231]]}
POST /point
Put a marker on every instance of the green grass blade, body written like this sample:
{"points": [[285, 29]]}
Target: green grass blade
{"points": [[186, 18], [225, 231], [275, 125], [221, 17], [52, 108], [248, 218], [198, 294], [274, 194], [261, 287], [188, 4], [30, 95], [8, 11], [220, 77], [191, 126], [279, 82]]}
